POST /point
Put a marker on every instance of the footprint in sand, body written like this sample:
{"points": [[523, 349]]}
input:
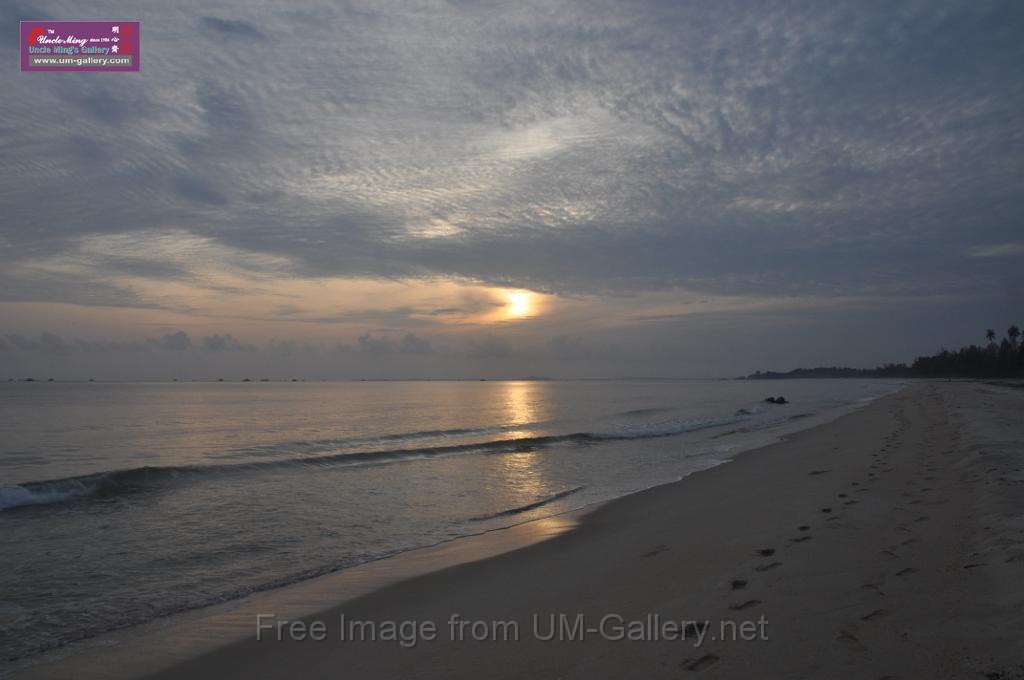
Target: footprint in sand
{"points": [[766, 552], [656, 551], [738, 583], [826, 510], [693, 629], [744, 605], [873, 615], [800, 539], [700, 663], [907, 571], [767, 567], [850, 641], [804, 527]]}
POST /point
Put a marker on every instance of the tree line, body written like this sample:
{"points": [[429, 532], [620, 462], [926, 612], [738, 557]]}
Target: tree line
{"points": [[1002, 359]]}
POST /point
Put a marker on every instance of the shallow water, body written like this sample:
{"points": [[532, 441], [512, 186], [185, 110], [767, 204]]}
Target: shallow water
{"points": [[120, 503]]}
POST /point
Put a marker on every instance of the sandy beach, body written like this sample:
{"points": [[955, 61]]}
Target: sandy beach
{"points": [[886, 544]]}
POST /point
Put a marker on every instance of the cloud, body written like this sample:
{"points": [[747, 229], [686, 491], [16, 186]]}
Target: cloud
{"points": [[175, 342], [220, 343], [198, 191], [178, 341], [569, 347], [46, 342], [113, 346], [395, 316], [375, 345], [286, 348], [410, 343], [232, 28], [414, 344], [11, 13], [490, 346], [997, 250], [604, 148], [832, 151]]}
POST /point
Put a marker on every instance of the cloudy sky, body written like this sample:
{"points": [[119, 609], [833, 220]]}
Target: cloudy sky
{"points": [[387, 188]]}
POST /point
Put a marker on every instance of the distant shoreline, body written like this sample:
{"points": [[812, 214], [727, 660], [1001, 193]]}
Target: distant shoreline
{"points": [[1004, 359], [825, 373]]}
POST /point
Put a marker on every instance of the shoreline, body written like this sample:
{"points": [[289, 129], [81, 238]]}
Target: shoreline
{"points": [[221, 621], [162, 644]]}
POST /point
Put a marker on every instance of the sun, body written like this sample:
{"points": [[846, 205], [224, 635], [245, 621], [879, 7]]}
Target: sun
{"points": [[518, 305]]}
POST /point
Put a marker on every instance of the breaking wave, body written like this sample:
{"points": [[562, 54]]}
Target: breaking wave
{"points": [[529, 506], [133, 480]]}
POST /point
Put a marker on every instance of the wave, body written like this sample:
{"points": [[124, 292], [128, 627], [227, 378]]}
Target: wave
{"points": [[117, 482], [100, 484], [122, 482], [644, 411], [337, 444], [14, 496], [764, 425], [529, 506]]}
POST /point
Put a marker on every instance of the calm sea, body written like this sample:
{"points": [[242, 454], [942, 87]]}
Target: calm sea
{"points": [[120, 503]]}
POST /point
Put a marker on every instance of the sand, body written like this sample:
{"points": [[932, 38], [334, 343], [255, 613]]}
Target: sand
{"points": [[888, 543]]}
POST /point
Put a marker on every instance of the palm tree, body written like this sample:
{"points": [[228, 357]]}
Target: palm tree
{"points": [[1013, 333], [990, 335]]}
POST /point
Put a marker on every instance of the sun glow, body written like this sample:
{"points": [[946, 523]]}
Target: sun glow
{"points": [[519, 305]]}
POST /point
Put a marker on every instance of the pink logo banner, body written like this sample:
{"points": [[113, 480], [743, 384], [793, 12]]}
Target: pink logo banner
{"points": [[80, 46]]}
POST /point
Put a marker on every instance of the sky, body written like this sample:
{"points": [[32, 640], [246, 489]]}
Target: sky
{"points": [[445, 188]]}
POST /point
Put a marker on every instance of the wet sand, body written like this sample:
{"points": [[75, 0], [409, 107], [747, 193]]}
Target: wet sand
{"points": [[888, 543]]}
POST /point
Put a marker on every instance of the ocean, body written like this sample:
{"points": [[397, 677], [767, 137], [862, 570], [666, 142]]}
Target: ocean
{"points": [[121, 503]]}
